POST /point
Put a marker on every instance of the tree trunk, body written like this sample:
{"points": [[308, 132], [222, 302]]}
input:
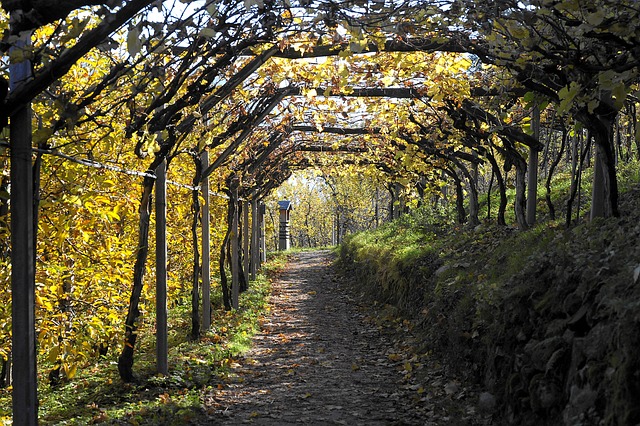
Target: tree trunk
{"points": [[576, 177], [255, 237], [195, 291], [235, 247], [532, 198], [226, 299], [554, 164], [520, 204], [125, 361], [461, 213], [634, 125], [242, 278], [473, 194], [502, 189], [245, 245], [377, 207], [602, 128], [619, 148], [392, 208], [489, 190], [513, 158], [598, 196]]}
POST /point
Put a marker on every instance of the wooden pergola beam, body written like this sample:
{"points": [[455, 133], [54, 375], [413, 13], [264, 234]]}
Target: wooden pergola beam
{"points": [[337, 130], [329, 148], [365, 92], [406, 92], [395, 45]]}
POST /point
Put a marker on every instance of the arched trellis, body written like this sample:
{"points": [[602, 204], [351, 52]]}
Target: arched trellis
{"points": [[17, 100], [257, 118], [246, 125]]}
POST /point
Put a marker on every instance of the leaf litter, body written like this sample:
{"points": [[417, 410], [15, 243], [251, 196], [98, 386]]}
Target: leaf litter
{"points": [[328, 356]]}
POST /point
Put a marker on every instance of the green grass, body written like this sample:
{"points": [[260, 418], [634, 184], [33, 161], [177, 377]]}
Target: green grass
{"points": [[560, 186], [97, 395], [498, 288]]}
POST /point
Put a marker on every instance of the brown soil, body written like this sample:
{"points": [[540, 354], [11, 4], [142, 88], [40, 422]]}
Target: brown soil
{"points": [[324, 356]]}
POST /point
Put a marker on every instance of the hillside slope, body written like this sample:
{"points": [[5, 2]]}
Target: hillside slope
{"points": [[546, 321]]}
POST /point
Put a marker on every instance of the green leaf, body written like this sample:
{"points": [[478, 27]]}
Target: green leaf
{"points": [[53, 354], [619, 95], [213, 9], [134, 45], [596, 18], [567, 94], [208, 32], [355, 47], [42, 135]]}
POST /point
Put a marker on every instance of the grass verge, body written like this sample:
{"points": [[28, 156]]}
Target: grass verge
{"points": [[97, 395]]}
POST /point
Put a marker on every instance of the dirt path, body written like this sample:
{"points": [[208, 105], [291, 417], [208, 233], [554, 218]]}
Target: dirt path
{"points": [[319, 361]]}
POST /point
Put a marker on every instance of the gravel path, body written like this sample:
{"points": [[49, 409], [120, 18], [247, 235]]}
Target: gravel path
{"points": [[320, 359]]}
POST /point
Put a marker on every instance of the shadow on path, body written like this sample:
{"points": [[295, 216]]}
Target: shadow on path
{"points": [[316, 361]]}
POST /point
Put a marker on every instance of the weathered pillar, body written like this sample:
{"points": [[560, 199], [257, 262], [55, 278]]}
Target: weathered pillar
{"points": [[162, 347], [284, 239], [23, 342]]}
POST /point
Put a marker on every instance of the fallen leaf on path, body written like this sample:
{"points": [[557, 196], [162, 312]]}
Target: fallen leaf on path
{"points": [[395, 357], [165, 398], [451, 388]]}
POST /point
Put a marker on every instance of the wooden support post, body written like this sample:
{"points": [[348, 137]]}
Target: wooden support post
{"points": [[162, 347], [206, 249], [235, 278], [263, 234], [25, 388], [255, 237], [532, 190], [245, 238]]}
